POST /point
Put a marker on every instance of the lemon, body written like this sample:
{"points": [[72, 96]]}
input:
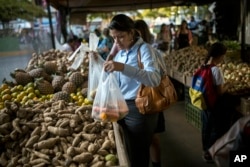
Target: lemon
{"points": [[75, 98], [37, 92], [6, 97], [87, 101], [4, 86], [31, 95], [14, 89], [14, 94], [25, 98], [6, 91], [30, 90], [20, 87]]}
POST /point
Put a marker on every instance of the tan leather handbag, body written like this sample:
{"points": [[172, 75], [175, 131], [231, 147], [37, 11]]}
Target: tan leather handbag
{"points": [[152, 100]]}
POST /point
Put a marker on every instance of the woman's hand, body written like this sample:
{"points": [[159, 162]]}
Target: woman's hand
{"points": [[110, 66]]}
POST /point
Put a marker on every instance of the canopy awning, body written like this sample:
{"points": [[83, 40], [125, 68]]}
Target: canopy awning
{"points": [[89, 6]]}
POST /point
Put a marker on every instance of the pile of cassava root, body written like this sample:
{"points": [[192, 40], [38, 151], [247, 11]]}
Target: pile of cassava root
{"points": [[54, 134]]}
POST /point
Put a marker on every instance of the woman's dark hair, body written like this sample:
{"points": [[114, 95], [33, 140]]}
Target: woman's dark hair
{"points": [[121, 22], [142, 27], [162, 26], [97, 32], [105, 31], [216, 50]]}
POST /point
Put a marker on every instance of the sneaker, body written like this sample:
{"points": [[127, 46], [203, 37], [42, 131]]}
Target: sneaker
{"points": [[207, 158]]}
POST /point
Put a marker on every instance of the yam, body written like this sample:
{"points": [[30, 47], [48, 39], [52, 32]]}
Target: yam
{"points": [[106, 145], [32, 140], [93, 148], [97, 158], [84, 157], [89, 137], [38, 161], [14, 135], [84, 145], [49, 143], [98, 164], [88, 127], [16, 126], [41, 155], [4, 118], [36, 131], [5, 128], [58, 131], [102, 152], [43, 164], [76, 140], [111, 136]]}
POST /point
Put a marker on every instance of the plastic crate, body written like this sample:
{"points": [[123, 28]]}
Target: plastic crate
{"points": [[187, 97], [193, 115], [245, 105]]}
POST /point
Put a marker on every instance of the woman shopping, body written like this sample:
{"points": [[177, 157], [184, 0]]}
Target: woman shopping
{"points": [[138, 128]]}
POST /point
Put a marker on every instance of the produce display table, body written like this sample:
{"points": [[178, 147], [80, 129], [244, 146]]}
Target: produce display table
{"points": [[120, 147], [184, 62], [46, 118]]}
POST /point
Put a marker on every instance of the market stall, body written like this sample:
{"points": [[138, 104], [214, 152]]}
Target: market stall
{"points": [[183, 63]]}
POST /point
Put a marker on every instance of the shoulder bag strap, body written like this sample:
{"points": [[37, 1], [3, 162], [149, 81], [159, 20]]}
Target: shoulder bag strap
{"points": [[139, 57]]}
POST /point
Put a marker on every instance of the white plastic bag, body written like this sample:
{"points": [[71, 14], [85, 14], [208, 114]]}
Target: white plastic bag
{"points": [[93, 42], [95, 69], [79, 56], [72, 56], [109, 104]]}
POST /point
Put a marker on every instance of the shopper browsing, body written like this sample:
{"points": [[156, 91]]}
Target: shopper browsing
{"points": [[138, 129]]}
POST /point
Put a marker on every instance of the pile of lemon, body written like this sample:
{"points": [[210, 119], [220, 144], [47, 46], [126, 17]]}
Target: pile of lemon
{"points": [[22, 94], [27, 94]]}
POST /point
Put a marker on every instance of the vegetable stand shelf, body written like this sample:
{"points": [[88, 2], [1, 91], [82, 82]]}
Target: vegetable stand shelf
{"points": [[178, 76]]}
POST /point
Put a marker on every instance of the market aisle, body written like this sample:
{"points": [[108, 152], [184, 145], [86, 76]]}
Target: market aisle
{"points": [[181, 143]]}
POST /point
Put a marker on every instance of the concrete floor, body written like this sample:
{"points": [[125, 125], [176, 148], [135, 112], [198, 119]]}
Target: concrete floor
{"points": [[181, 143]]}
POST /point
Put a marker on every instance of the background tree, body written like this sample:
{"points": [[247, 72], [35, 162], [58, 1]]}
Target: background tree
{"points": [[19, 9]]}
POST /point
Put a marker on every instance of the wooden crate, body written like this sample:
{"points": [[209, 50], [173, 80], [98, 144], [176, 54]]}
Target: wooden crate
{"points": [[178, 76], [120, 146], [245, 105], [188, 81]]}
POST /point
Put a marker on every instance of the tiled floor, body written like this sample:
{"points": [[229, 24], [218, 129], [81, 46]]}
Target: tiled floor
{"points": [[181, 143]]}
